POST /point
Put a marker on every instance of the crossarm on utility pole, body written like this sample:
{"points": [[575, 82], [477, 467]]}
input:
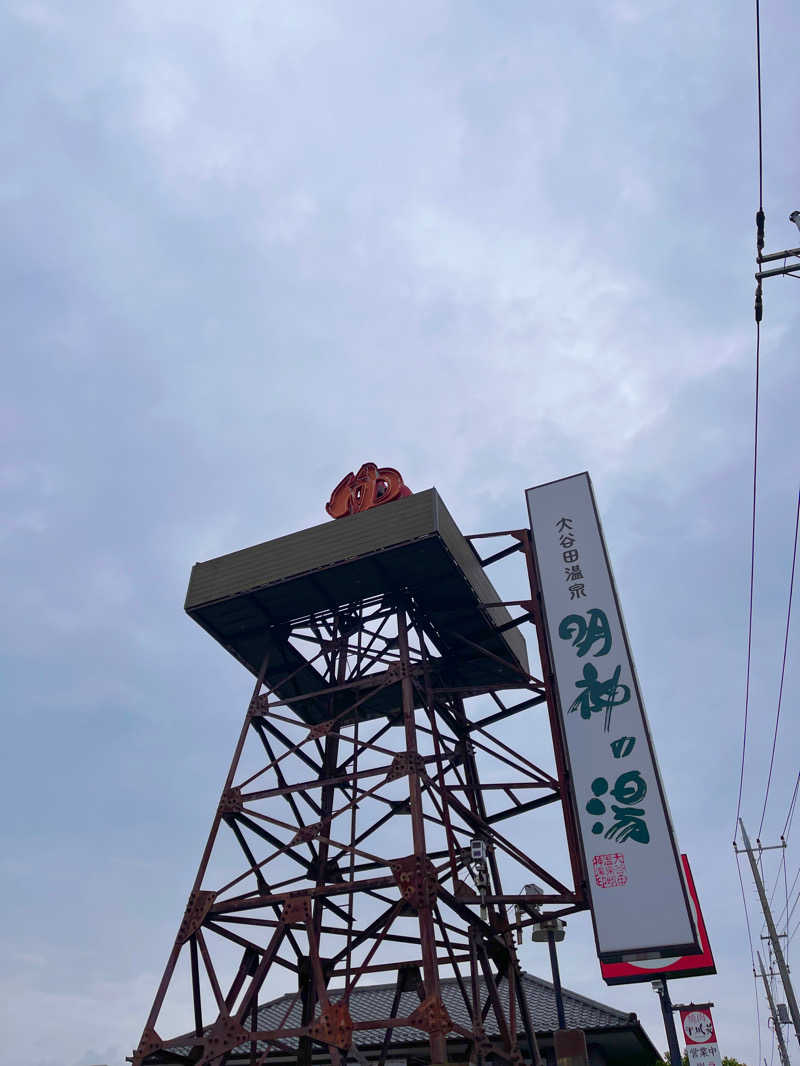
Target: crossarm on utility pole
{"points": [[785, 254]]}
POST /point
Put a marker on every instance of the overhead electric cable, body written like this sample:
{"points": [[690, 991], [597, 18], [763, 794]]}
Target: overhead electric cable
{"points": [[785, 886], [788, 894], [752, 575], [759, 249], [791, 808], [760, 124], [758, 316], [752, 954], [782, 867], [760, 217], [794, 905], [783, 668]]}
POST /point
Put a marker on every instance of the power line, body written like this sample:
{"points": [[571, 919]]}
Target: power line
{"points": [[760, 219], [752, 955], [752, 575], [782, 866], [791, 912], [788, 919], [783, 668], [758, 309], [785, 888], [760, 125], [791, 807], [790, 891]]}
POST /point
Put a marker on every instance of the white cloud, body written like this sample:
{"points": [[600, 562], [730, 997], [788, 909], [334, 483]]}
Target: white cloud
{"points": [[40, 15], [74, 1025]]}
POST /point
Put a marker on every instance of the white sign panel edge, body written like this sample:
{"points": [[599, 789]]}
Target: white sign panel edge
{"points": [[640, 907]]}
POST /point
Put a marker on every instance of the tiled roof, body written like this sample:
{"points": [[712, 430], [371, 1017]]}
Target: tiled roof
{"points": [[375, 1001]]}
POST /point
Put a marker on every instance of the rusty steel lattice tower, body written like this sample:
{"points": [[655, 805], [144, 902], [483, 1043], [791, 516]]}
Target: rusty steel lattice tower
{"points": [[370, 807]]}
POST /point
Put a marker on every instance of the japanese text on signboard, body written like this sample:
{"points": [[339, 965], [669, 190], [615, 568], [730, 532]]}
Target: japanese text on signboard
{"points": [[590, 634], [639, 903]]}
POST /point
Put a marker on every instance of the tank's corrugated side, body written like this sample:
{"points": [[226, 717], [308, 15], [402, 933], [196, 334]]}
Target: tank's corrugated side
{"points": [[312, 549], [332, 543]]}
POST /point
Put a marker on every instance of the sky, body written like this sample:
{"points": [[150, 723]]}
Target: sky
{"points": [[247, 247]]}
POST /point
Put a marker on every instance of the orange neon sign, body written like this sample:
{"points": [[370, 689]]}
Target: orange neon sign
{"points": [[370, 487]]}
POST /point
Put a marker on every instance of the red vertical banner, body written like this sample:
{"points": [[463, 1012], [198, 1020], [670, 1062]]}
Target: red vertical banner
{"points": [[700, 1036]]}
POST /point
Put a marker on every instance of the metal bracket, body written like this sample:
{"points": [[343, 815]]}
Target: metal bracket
{"points": [[309, 832], [320, 730], [196, 910], [395, 672], [334, 1026], [431, 1016], [259, 706], [149, 1043], [224, 1035], [231, 801], [407, 762], [416, 879], [296, 910]]}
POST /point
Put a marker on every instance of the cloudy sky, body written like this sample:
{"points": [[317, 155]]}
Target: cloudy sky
{"points": [[246, 247]]}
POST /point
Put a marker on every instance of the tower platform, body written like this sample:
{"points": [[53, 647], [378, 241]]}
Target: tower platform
{"points": [[256, 601]]}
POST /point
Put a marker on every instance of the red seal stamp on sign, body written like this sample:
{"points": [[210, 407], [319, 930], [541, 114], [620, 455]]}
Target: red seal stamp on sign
{"points": [[609, 870]]}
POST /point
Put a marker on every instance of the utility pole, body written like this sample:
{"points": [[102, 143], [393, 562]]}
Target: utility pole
{"points": [[784, 1054], [773, 935]]}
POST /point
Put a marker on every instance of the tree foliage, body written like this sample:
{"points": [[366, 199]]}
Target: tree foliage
{"points": [[727, 1060]]}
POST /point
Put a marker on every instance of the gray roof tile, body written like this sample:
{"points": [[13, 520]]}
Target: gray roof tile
{"points": [[375, 1001]]}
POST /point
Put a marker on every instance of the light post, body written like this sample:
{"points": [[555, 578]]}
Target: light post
{"points": [[550, 931]]}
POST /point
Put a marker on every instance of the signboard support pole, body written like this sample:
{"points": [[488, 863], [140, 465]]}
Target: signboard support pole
{"points": [[669, 1020], [773, 935], [551, 943], [776, 1025]]}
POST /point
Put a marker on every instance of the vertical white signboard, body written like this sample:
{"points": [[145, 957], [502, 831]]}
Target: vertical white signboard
{"points": [[701, 1039], [639, 902]]}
